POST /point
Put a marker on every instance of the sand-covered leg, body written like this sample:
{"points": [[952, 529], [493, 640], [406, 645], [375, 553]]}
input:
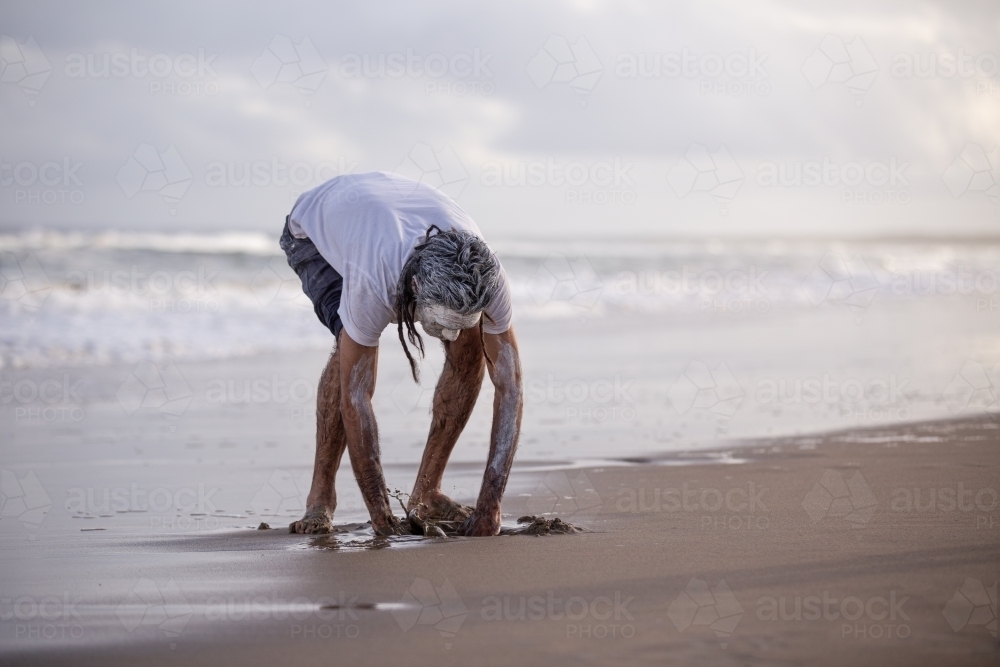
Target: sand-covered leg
{"points": [[331, 441], [454, 398]]}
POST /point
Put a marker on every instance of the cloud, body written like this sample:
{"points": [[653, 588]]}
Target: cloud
{"points": [[266, 59]]}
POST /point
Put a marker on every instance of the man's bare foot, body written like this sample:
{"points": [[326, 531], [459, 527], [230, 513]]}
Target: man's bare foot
{"points": [[316, 521], [435, 506]]}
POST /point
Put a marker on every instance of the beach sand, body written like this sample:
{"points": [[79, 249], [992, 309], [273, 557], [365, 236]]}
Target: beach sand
{"points": [[806, 550]]}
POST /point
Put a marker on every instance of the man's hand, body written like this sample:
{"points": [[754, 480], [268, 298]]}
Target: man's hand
{"points": [[484, 524]]}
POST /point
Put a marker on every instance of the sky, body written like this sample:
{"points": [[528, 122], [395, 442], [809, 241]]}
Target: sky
{"points": [[558, 120]]}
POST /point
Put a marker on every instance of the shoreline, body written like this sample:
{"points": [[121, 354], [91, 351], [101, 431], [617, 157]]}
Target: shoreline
{"points": [[400, 406], [701, 563]]}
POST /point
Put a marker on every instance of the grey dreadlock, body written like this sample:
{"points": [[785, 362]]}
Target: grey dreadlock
{"points": [[455, 269]]}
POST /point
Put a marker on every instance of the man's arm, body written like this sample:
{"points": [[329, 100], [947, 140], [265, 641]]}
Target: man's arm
{"points": [[358, 369], [508, 403]]}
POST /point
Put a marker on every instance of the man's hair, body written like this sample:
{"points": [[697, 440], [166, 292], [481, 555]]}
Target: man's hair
{"points": [[454, 269]]}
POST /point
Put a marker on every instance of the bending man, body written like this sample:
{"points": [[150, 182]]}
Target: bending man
{"points": [[374, 249]]}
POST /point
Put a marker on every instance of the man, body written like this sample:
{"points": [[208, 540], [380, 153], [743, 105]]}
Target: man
{"points": [[377, 248]]}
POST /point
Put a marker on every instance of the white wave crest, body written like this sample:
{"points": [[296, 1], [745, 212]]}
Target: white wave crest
{"points": [[247, 243]]}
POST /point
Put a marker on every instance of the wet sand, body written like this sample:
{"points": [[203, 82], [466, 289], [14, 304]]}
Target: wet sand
{"points": [[808, 550]]}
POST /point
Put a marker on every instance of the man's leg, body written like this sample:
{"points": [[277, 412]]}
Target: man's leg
{"points": [[323, 285], [331, 441], [454, 398]]}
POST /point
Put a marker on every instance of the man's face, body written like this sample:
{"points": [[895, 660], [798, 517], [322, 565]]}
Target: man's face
{"points": [[444, 323]]}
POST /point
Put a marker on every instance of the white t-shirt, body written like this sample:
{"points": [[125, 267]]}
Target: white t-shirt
{"points": [[365, 226]]}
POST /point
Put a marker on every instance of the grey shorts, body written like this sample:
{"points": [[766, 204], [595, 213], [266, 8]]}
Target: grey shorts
{"points": [[320, 281]]}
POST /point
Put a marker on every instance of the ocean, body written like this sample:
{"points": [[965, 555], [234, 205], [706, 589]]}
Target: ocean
{"points": [[697, 340], [139, 357]]}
